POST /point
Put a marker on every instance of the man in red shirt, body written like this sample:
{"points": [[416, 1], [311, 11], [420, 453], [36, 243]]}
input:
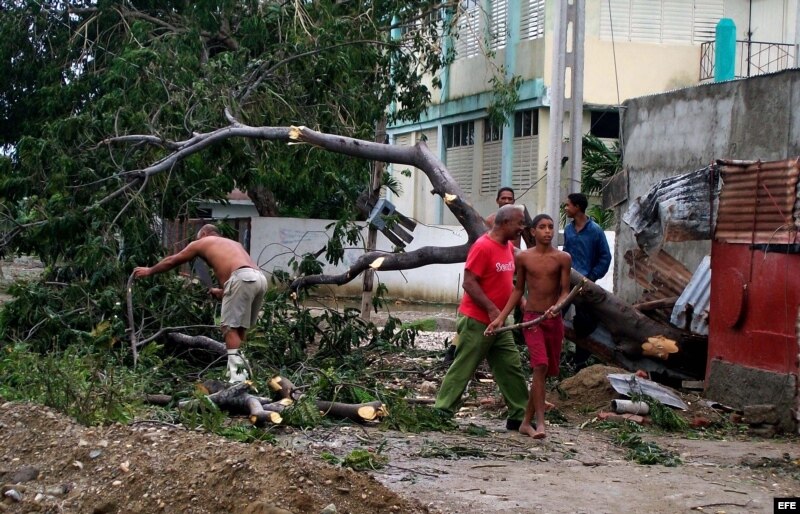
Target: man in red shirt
{"points": [[488, 283]]}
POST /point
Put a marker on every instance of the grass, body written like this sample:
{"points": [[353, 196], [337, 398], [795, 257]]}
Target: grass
{"points": [[421, 325]]}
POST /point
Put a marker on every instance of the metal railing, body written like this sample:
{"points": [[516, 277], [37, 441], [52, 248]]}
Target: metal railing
{"points": [[752, 58]]}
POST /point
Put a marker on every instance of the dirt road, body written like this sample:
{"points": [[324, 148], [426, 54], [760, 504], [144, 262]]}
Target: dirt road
{"points": [[54, 465]]}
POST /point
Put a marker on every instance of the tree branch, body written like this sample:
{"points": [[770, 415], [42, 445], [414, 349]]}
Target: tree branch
{"points": [[418, 156]]}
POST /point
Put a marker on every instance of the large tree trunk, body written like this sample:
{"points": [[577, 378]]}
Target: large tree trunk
{"points": [[628, 338], [263, 200]]}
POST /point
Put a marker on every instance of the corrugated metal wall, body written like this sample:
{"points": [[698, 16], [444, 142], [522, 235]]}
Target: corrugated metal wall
{"points": [[757, 203]]}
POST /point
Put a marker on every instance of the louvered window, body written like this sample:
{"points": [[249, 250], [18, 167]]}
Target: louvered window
{"points": [[492, 156], [460, 139], [660, 21], [403, 140], [532, 19], [526, 149], [498, 24], [469, 29]]}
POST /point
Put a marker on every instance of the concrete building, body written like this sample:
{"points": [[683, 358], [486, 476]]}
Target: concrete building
{"points": [[752, 353], [632, 48]]}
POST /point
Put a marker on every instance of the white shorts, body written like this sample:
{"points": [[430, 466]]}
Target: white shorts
{"points": [[242, 299]]}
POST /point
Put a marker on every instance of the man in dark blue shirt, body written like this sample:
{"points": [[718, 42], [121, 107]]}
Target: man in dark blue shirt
{"points": [[586, 243]]}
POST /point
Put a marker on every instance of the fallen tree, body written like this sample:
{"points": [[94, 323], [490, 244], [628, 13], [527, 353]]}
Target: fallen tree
{"points": [[630, 339], [636, 341]]}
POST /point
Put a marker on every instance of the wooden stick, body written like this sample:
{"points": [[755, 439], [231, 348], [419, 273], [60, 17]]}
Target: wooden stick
{"points": [[560, 305]]}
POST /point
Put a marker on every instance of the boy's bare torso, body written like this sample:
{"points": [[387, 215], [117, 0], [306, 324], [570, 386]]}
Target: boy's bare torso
{"points": [[543, 270]]}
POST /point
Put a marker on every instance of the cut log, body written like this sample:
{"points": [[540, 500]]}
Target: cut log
{"points": [[158, 399], [629, 339], [237, 399], [356, 412], [284, 387], [198, 342]]}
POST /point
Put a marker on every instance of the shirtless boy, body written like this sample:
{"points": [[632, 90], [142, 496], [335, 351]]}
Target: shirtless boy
{"points": [[544, 270]]}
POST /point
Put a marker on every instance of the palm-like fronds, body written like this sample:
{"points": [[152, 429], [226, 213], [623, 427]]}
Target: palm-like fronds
{"points": [[599, 164]]}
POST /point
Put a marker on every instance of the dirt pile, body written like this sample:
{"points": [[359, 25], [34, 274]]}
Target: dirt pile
{"points": [[588, 390], [154, 467]]}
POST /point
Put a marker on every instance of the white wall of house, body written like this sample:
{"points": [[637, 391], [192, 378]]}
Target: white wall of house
{"points": [[234, 209], [275, 241]]}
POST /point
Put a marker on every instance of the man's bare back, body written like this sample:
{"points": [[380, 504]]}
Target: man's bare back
{"points": [[223, 255]]}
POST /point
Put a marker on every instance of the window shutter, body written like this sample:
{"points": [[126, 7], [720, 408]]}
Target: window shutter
{"points": [[459, 163], [645, 20], [526, 160], [676, 27], [490, 174], [619, 21], [469, 30], [707, 14], [403, 140], [532, 19], [432, 140], [498, 25]]}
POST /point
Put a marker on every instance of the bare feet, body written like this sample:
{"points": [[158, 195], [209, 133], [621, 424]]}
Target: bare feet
{"points": [[527, 429]]}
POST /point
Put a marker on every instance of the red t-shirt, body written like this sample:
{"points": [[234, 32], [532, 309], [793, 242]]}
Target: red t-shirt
{"points": [[493, 264]]}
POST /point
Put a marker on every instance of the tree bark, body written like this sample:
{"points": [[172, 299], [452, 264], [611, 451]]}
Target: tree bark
{"points": [[355, 412], [632, 340], [263, 200], [360, 412], [237, 399], [198, 342]]}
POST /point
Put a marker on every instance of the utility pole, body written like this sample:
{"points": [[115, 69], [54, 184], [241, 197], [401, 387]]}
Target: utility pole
{"points": [[372, 232], [568, 27]]}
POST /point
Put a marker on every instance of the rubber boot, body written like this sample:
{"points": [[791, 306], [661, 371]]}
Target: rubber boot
{"points": [[237, 367]]}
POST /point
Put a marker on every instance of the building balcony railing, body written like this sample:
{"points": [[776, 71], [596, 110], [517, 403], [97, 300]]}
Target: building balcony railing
{"points": [[752, 58]]}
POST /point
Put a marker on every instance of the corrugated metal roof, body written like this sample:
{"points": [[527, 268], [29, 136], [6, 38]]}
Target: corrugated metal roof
{"points": [[691, 309], [758, 202], [661, 275]]}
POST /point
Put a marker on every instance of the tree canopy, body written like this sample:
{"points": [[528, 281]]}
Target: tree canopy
{"points": [[77, 73], [78, 77]]}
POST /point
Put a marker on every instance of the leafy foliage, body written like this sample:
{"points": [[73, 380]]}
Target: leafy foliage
{"points": [[414, 419], [76, 73], [646, 453], [90, 387], [600, 163], [362, 459], [662, 416]]}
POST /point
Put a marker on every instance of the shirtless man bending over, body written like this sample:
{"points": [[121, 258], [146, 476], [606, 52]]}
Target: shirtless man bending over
{"points": [[243, 290], [544, 270]]}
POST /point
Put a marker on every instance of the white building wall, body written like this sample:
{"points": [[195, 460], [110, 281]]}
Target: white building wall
{"points": [[275, 241]]}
